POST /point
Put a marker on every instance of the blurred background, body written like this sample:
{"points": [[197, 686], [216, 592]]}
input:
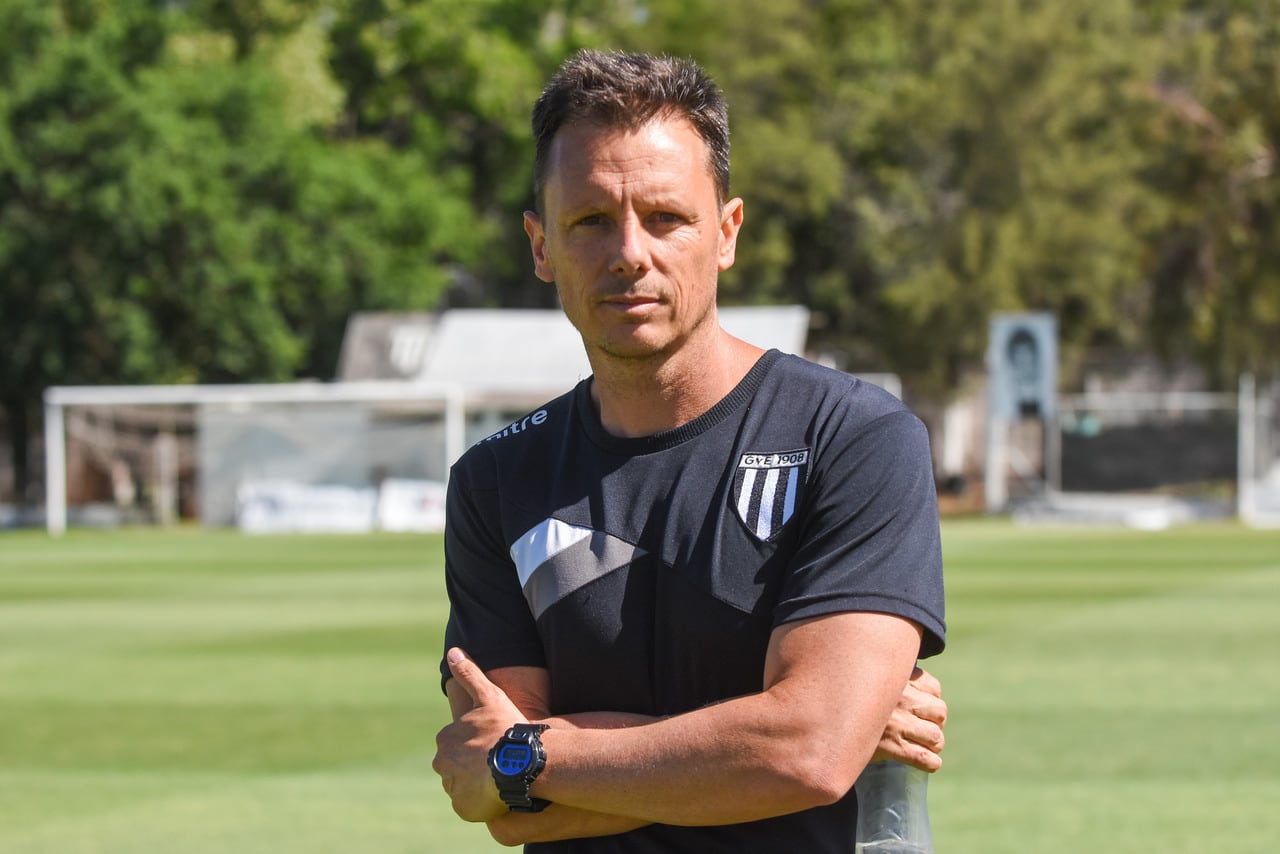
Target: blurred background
{"points": [[262, 269], [225, 191]]}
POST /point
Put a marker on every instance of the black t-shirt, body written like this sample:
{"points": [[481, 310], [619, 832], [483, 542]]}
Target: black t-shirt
{"points": [[647, 574]]}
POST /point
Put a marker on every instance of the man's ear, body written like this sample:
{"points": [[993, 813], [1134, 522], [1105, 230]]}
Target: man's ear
{"points": [[542, 267], [730, 225]]}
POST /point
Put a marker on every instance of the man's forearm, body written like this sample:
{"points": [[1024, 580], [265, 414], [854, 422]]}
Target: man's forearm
{"points": [[742, 760], [799, 743], [913, 736], [829, 686], [558, 822], [761, 784]]}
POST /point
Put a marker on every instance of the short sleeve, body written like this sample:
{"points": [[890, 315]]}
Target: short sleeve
{"points": [[488, 614], [869, 539]]}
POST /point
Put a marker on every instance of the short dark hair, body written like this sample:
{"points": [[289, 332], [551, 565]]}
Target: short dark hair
{"points": [[624, 91]]}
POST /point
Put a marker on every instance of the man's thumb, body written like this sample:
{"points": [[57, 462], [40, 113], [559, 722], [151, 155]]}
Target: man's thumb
{"points": [[469, 676]]}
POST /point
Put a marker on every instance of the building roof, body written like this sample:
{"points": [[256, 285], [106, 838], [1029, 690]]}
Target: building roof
{"points": [[515, 354]]}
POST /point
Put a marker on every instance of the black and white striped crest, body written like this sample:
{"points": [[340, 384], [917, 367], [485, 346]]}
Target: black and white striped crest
{"points": [[765, 489]]}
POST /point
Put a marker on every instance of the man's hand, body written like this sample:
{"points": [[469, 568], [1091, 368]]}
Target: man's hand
{"points": [[462, 747], [913, 734]]}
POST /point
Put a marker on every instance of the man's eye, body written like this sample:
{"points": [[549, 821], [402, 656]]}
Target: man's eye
{"points": [[592, 219], [667, 218]]}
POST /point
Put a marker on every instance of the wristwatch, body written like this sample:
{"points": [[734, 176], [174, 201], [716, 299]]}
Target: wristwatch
{"points": [[515, 761]]}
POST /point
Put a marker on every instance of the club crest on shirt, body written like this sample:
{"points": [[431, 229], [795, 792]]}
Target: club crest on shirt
{"points": [[766, 487]]}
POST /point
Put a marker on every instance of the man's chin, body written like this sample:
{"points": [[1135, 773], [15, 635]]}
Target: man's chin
{"points": [[637, 346]]}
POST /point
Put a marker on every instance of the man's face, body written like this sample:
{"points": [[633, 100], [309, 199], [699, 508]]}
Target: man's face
{"points": [[633, 236]]}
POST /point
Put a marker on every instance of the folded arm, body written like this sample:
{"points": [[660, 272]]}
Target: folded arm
{"points": [[530, 690], [831, 683]]}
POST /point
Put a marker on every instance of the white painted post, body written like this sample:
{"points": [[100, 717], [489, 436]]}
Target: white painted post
{"points": [[165, 497], [1053, 450], [995, 481], [55, 469], [455, 426], [1246, 450]]}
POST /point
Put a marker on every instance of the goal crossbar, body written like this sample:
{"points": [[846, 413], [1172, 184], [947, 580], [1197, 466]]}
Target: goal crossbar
{"points": [[449, 396]]}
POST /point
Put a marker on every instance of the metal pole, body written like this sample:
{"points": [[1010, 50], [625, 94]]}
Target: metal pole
{"points": [[1053, 451], [994, 486], [55, 469], [1246, 457], [165, 496], [455, 426]]}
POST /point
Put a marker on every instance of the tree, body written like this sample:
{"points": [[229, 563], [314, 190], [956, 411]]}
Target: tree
{"points": [[1015, 181], [1214, 282], [205, 190], [160, 220], [910, 170], [454, 82]]}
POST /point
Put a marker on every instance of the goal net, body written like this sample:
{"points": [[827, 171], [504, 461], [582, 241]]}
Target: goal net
{"points": [[349, 456], [1183, 443], [1152, 459]]}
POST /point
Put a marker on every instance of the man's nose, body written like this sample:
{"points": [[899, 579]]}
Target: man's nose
{"points": [[632, 253]]}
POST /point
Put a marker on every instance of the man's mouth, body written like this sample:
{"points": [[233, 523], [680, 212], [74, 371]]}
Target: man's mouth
{"points": [[623, 301]]}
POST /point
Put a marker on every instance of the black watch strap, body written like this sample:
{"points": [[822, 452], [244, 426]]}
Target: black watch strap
{"points": [[514, 789]]}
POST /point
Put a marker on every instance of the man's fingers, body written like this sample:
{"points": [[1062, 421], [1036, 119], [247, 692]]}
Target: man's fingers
{"points": [[914, 729], [928, 707], [469, 676], [923, 698], [926, 682], [923, 747], [925, 759], [930, 737]]}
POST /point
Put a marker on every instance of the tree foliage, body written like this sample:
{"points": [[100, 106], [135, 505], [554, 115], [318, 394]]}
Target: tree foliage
{"points": [[160, 220], [205, 190], [911, 169], [1214, 285]]}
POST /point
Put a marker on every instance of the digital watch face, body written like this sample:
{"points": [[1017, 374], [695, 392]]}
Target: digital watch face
{"points": [[513, 759]]}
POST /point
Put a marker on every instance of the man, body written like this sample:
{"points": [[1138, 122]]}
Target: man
{"points": [[708, 569]]}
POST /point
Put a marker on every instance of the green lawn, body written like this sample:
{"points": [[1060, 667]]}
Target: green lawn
{"points": [[192, 691]]}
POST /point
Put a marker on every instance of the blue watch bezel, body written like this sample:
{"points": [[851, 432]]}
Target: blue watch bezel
{"points": [[513, 786]]}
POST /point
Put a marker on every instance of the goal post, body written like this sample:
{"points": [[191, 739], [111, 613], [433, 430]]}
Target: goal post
{"points": [[1258, 493], [1162, 456], [1143, 441], [448, 399], [1144, 449]]}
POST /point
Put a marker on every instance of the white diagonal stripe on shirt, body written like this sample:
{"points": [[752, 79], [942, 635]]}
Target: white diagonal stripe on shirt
{"points": [[542, 542]]}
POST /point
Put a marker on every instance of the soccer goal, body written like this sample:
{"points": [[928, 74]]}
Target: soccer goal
{"points": [[289, 456], [1157, 458]]}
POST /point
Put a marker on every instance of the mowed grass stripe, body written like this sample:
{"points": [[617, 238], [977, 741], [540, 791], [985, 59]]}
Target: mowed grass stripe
{"points": [[1109, 691], [1166, 649], [1044, 815], [199, 692], [379, 811], [403, 678], [250, 739]]}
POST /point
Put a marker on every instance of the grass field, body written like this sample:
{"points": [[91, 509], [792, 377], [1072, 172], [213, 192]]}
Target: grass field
{"points": [[190, 692]]}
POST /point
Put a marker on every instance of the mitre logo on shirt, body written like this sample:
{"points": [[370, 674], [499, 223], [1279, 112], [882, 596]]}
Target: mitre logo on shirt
{"points": [[533, 419], [765, 488]]}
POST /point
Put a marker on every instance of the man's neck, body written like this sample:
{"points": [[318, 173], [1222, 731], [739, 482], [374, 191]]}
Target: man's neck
{"points": [[640, 397]]}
